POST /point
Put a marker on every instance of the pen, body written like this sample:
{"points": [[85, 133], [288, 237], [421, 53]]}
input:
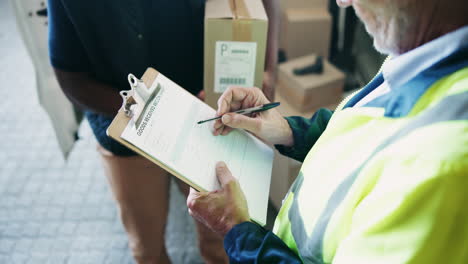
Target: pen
{"points": [[247, 111]]}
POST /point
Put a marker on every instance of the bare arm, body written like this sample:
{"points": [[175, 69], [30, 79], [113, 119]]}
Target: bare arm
{"points": [[87, 93], [272, 8]]}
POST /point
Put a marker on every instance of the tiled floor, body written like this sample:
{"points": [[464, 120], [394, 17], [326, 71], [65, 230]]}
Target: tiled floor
{"points": [[51, 210]]}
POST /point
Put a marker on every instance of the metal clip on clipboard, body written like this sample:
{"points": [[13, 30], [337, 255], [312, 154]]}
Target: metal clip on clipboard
{"points": [[135, 100]]}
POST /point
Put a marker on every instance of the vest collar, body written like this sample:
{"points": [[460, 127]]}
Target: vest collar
{"points": [[401, 99]]}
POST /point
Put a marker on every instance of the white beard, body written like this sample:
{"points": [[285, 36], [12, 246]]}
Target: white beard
{"points": [[390, 36]]}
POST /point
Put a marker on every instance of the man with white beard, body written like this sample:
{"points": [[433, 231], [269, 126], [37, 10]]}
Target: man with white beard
{"points": [[384, 176]]}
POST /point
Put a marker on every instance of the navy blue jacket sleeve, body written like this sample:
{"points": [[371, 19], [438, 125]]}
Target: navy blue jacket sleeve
{"points": [[305, 132], [250, 243], [66, 50]]}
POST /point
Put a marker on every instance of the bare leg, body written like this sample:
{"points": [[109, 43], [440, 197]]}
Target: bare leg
{"points": [[210, 244], [141, 191]]}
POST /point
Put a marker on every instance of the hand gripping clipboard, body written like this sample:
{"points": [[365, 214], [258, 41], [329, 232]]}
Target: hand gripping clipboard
{"points": [[134, 103], [253, 160]]}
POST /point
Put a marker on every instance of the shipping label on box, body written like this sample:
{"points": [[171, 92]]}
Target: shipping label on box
{"points": [[234, 64]]}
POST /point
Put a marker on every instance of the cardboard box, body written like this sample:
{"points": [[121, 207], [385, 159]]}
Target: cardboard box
{"points": [[286, 109], [311, 91], [305, 31], [235, 45], [304, 4], [285, 171], [280, 181]]}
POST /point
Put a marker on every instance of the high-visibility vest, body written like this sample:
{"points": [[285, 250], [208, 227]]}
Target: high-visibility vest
{"points": [[388, 183]]}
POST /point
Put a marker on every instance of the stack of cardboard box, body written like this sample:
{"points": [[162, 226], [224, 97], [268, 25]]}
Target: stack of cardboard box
{"points": [[305, 28]]}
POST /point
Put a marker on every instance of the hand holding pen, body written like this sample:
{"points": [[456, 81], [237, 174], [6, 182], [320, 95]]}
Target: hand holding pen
{"points": [[268, 125], [246, 111]]}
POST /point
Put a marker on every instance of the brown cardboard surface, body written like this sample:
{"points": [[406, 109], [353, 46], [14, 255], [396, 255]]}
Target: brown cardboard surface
{"points": [[280, 181], [304, 4], [305, 31], [218, 9], [285, 171], [309, 92], [233, 20], [239, 9], [287, 108]]}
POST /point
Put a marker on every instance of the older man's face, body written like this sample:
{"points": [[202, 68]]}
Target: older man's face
{"points": [[384, 20]]}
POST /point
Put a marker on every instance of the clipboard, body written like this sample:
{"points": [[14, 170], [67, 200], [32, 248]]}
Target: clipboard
{"points": [[134, 102], [254, 159]]}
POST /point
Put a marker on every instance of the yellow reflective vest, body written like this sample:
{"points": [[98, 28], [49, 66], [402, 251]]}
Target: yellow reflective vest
{"points": [[387, 184]]}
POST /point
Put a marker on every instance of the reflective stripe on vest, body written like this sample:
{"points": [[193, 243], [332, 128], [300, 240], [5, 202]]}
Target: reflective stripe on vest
{"points": [[451, 108]]}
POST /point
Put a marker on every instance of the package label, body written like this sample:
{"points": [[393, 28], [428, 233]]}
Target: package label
{"points": [[234, 64]]}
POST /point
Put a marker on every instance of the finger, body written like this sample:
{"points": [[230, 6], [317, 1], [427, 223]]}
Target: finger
{"points": [[232, 106], [224, 102], [192, 198], [217, 129], [226, 130], [221, 129], [218, 124], [233, 96], [243, 122], [191, 213], [195, 215], [217, 132], [223, 173], [201, 95]]}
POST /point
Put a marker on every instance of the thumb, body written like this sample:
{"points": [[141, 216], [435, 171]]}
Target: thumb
{"points": [[242, 121], [201, 95], [223, 174]]}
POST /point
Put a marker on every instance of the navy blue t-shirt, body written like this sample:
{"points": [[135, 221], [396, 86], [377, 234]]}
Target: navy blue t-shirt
{"points": [[112, 38]]}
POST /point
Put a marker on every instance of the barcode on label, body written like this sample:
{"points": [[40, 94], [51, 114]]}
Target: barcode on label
{"points": [[237, 81]]}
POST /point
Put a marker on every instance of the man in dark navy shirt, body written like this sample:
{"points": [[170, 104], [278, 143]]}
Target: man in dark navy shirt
{"points": [[93, 46]]}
